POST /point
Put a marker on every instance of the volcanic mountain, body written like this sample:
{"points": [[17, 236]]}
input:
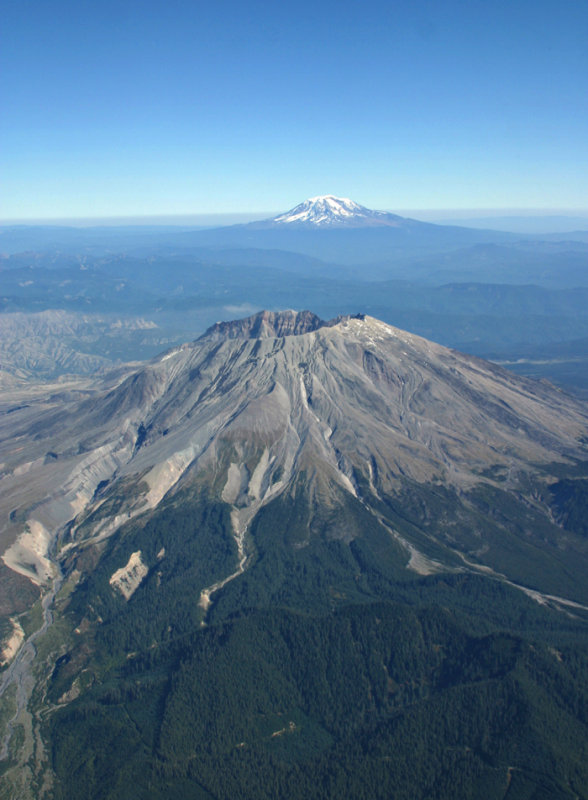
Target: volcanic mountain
{"points": [[280, 403], [302, 488], [340, 231], [327, 211]]}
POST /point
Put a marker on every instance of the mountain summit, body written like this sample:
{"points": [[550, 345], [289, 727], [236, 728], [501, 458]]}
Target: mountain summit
{"points": [[339, 231], [270, 324], [285, 404], [290, 552], [328, 211]]}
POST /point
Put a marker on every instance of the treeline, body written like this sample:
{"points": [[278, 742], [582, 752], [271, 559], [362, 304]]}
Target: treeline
{"points": [[326, 670]]}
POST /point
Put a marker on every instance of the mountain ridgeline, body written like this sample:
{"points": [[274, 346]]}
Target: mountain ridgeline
{"points": [[304, 559], [126, 293], [271, 324]]}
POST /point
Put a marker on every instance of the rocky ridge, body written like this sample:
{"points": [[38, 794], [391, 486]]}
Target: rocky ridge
{"points": [[259, 401]]}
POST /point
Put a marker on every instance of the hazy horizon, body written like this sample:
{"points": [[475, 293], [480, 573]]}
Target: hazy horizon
{"points": [[514, 219]]}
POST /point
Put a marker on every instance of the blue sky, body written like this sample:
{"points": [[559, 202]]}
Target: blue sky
{"points": [[152, 108]]}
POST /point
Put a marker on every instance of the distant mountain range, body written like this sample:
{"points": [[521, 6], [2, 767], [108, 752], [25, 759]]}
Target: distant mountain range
{"points": [[328, 253], [340, 230], [540, 225], [326, 227]]}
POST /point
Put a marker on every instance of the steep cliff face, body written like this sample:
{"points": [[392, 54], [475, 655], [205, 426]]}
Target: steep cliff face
{"points": [[269, 324]]}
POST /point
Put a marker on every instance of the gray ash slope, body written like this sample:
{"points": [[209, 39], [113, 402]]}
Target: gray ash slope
{"points": [[225, 512], [285, 408]]}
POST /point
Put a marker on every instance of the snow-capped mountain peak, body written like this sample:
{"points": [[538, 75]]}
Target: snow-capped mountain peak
{"points": [[328, 210]]}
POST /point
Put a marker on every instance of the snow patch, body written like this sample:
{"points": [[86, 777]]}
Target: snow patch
{"points": [[326, 210]]}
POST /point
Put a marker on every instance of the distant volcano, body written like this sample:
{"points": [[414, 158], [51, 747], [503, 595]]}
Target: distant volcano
{"points": [[327, 211], [339, 231]]}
